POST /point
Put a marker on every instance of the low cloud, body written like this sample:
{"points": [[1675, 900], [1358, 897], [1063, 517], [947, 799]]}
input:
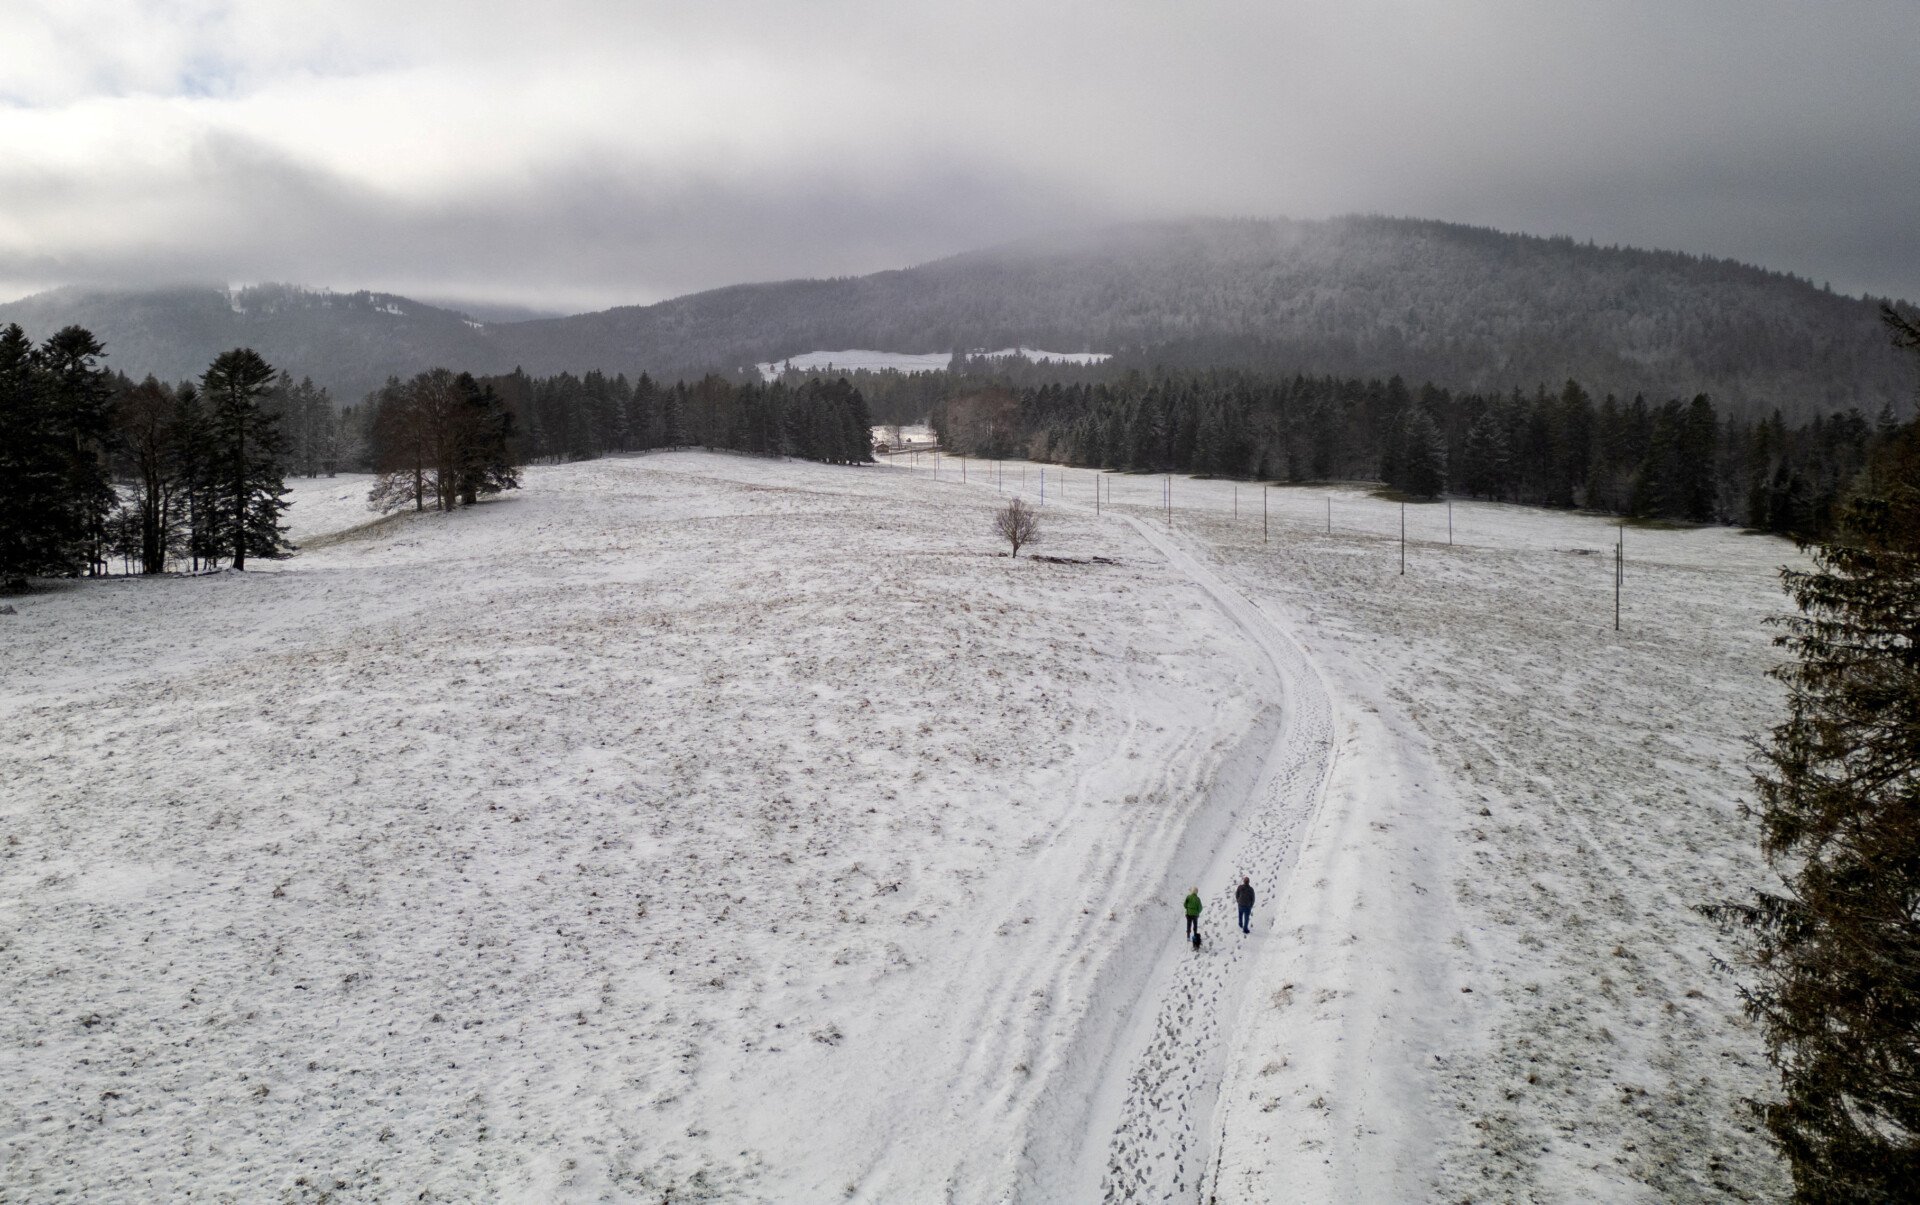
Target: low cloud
{"points": [[618, 153], [581, 234]]}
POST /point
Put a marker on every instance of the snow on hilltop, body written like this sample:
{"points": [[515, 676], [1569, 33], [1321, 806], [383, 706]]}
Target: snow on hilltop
{"points": [[725, 829]]}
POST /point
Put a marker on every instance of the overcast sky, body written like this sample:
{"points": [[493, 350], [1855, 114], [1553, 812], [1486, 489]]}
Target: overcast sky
{"points": [[577, 155]]}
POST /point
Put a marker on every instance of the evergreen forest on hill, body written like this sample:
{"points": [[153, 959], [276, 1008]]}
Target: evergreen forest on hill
{"points": [[1676, 459], [98, 471], [98, 466], [1357, 297]]}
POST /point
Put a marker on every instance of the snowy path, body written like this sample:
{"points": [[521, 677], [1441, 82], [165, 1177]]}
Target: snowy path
{"points": [[1161, 1146], [1135, 1111], [1486, 978]]}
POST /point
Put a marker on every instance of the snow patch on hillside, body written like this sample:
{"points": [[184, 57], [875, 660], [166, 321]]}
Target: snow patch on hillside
{"points": [[858, 360], [319, 506]]}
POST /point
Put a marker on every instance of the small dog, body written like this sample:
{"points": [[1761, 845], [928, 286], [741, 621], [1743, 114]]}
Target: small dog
{"points": [[1196, 943]]}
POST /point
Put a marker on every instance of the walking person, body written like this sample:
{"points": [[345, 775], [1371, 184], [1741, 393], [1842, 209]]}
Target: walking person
{"points": [[1193, 915], [1243, 896]]}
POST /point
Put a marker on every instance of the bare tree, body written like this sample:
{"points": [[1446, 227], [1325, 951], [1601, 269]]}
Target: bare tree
{"points": [[1018, 524], [440, 437], [148, 432]]}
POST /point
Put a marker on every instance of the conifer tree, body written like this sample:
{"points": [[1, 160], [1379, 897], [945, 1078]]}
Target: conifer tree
{"points": [[249, 491], [192, 440], [484, 460], [1143, 437], [1423, 455], [1838, 950], [30, 487], [644, 413], [1656, 482], [1696, 447], [1486, 463], [55, 496], [673, 432], [81, 414]]}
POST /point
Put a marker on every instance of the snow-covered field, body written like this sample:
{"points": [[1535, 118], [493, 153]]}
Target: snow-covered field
{"points": [[685, 823], [318, 507], [860, 360], [1492, 984], [715, 828], [912, 436]]}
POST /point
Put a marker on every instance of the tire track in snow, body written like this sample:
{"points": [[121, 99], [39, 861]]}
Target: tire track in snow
{"points": [[1163, 1136]]}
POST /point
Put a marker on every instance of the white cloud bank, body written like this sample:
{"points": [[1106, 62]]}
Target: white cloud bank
{"points": [[587, 154]]}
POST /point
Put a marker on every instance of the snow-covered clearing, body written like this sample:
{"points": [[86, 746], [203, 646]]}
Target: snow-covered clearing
{"points": [[1491, 983], [319, 507], [861, 360], [683, 823], [912, 437], [747, 830]]}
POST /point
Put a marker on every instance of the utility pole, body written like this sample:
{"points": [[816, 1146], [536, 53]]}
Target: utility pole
{"points": [[1403, 539], [1043, 485], [1449, 523], [1263, 514], [1619, 572]]}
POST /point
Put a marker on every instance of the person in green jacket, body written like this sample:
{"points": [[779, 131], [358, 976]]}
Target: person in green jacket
{"points": [[1193, 914]]}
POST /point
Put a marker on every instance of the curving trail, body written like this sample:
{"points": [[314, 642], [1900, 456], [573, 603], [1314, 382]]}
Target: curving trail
{"points": [[1153, 1092]]}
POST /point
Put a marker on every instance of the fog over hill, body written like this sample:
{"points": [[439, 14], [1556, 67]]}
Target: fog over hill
{"points": [[1357, 296]]}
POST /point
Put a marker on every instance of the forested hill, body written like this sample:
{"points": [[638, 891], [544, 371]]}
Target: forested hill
{"points": [[348, 342], [1359, 296]]}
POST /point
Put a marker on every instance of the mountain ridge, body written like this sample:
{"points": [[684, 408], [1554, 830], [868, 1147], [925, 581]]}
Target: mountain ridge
{"points": [[1463, 306]]}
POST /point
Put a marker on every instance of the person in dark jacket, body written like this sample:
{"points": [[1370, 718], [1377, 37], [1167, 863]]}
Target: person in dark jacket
{"points": [[1243, 896], [1193, 914]]}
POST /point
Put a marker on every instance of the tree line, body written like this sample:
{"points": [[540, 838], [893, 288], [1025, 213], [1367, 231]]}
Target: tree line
{"points": [[94, 467], [568, 417], [1677, 459]]}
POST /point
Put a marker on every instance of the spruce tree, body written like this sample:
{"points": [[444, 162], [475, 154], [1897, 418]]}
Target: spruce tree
{"points": [[249, 490], [1486, 462], [673, 432], [1423, 455], [55, 496], [31, 496], [192, 440], [81, 413], [644, 413], [1838, 950], [1697, 450], [485, 459], [1143, 437], [1657, 487]]}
